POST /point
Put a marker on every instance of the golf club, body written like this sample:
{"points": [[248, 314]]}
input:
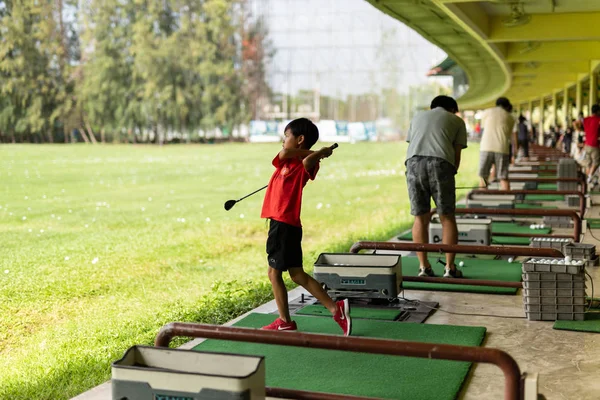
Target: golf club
{"points": [[230, 203]]}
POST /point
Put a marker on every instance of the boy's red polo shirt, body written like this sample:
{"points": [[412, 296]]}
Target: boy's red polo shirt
{"points": [[283, 200], [591, 125]]}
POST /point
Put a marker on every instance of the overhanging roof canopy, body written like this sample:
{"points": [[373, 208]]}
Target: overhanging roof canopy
{"points": [[519, 49]]}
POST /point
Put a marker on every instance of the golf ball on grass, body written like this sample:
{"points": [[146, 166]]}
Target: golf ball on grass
{"points": [[461, 264], [510, 259]]}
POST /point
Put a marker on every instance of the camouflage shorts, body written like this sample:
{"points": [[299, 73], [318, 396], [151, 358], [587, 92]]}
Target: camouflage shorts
{"points": [[427, 178]]}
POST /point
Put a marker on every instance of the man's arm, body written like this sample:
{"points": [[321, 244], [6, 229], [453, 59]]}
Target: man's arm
{"points": [[460, 142], [294, 153], [457, 150], [313, 159]]}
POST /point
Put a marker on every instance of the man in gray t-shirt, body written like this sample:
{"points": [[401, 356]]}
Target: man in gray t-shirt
{"points": [[436, 139]]}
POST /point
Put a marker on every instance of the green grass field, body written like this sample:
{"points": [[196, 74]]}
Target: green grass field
{"points": [[102, 245]]}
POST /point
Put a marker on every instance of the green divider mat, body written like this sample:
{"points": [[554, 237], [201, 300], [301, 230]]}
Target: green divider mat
{"points": [[545, 197], [474, 268], [547, 186], [533, 206], [593, 222], [360, 374], [591, 324], [355, 312]]}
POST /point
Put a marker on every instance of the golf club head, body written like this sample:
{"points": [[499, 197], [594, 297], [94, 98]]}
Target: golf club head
{"points": [[229, 204]]}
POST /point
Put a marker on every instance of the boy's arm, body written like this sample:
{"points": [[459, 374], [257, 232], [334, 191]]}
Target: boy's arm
{"points": [[294, 153], [313, 159]]}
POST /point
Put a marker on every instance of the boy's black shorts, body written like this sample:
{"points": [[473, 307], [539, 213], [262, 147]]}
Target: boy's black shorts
{"points": [[284, 246]]}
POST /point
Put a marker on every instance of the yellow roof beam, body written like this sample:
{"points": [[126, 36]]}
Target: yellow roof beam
{"points": [[549, 81], [548, 27], [533, 68], [553, 51]]}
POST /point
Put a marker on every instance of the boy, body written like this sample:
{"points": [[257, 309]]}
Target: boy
{"points": [[436, 139], [295, 164]]}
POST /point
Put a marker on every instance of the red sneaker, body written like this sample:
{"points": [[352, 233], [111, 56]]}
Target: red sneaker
{"points": [[280, 325], [342, 316]]}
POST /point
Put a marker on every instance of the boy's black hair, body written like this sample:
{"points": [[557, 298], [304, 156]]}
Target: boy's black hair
{"points": [[306, 128], [446, 102], [522, 118], [595, 109]]}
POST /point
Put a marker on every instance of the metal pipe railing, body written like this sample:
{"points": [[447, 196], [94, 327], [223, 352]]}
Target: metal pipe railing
{"points": [[526, 192], [455, 248], [512, 373], [526, 213]]}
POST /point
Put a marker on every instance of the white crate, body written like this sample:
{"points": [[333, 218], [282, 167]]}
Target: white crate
{"points": [[552, 316], [554, 292], [528, 284], [577, 300], [564, 268]]}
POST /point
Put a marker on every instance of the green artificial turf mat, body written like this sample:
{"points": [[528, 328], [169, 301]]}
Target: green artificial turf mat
{"points": [[591, 324], [355, 312], [474, 268], [405, 236], [533, 206], [547, 186], [510, 241], [544, 197], [360, 374]]}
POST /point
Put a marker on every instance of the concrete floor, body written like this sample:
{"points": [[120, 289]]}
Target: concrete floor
{"points": [[568, 363]]}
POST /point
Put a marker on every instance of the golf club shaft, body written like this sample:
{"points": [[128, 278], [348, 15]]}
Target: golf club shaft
{"points": [[256, 191]]}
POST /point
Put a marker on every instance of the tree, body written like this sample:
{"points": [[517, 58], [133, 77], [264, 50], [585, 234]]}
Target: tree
{"points": [[257, 51]]}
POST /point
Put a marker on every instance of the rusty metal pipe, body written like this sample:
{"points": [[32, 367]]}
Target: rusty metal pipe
{"points": [[456, 248], [512, 373], [526, 192], [526, 213]]}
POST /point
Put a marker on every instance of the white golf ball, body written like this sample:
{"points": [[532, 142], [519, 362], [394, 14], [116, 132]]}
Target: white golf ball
{"points": [[532, 226], [574, 262], [567, 259], [461, 264], [510, 259], [542, 226]]}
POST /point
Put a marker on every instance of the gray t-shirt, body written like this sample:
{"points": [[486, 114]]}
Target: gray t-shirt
{"points": [[434, 133]]}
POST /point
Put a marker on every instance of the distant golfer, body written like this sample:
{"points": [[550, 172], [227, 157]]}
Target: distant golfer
{"points": [[294, 165], [436, 139], [495, 150]]}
